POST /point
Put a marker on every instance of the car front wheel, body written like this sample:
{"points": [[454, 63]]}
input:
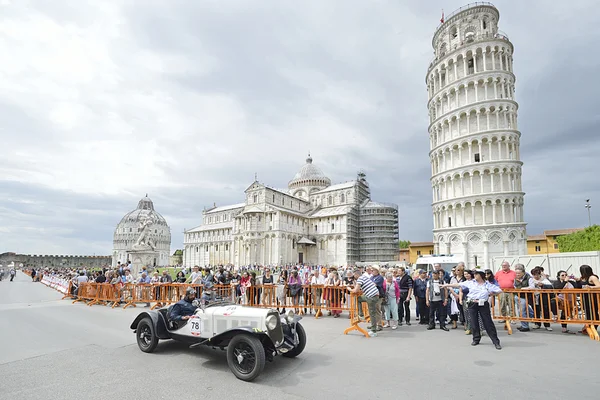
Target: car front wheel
{"points": [[301, 343], [146, 335], [246, 357]]}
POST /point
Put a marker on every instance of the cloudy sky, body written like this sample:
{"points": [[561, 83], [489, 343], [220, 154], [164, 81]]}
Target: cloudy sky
{"points": [[102, 102]]}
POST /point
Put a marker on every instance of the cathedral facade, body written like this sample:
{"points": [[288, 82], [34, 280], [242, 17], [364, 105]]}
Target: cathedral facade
{"points": [[312, 222]]}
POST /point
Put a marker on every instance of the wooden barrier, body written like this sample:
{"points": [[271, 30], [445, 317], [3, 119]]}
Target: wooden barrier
{"points": [[565, 306], [355, 319]]}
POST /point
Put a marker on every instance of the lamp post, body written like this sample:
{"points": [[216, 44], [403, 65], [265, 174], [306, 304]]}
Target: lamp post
{"points": [[589, 206]]}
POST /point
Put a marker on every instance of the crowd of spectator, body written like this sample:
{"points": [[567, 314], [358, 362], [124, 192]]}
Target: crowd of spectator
{"points": [[391, 301]]}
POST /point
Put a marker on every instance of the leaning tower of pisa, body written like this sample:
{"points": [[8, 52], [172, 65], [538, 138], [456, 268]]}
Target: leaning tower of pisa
{"points": [[474, 138]]}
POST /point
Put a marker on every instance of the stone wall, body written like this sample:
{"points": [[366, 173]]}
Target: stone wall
{"points": [[56, 261]]}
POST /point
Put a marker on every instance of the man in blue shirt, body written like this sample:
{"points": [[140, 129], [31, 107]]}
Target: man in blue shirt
{"points": [[420, 286], [183, 309], [480, 291]]}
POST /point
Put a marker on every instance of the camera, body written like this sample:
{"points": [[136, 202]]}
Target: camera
{"points": [[437, 294]]}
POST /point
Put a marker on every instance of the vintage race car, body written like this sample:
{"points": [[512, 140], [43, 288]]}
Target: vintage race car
{"points": [[250, 335]]}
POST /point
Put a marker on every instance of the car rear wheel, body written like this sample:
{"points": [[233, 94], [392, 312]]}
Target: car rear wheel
{"points": [[301, 343], [146, 336], [246, 357]]}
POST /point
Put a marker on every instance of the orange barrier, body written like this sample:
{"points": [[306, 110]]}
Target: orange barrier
{"points": [[355, 319], [564, 306]]}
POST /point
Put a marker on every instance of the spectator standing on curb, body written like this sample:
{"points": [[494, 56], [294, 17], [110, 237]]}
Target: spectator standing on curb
{"points": [[392, 292], [378, 280], [436, 301], [506, 280], [420, 286], [370, 295], [405, 283]]}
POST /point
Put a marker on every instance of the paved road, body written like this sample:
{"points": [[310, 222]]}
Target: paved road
{"points": [[51, 349]]}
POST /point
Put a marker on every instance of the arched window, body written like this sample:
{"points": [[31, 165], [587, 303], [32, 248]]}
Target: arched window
{"points": [[342, 198], [330, 200], [256, 198]]}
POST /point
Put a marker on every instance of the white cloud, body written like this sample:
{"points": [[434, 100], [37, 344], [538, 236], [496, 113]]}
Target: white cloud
{"points": [[102, 102]]}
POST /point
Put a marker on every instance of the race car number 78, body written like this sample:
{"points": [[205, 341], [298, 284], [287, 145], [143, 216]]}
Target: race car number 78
{"points": [[196, 326]]}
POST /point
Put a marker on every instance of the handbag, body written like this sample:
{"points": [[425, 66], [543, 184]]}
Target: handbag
{"points": [[295, 289]]}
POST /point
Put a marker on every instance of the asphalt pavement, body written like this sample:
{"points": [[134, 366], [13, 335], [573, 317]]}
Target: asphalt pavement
{"points": [[52, 349]]}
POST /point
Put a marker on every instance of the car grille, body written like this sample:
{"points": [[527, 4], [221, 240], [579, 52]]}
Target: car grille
{"points": [[276, 334]]}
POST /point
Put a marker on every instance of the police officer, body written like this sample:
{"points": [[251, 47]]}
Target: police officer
{"points": [[480, 291], [184, 309]]}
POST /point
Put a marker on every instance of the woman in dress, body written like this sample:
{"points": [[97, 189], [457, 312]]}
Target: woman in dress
{"points": [[334, 294]]}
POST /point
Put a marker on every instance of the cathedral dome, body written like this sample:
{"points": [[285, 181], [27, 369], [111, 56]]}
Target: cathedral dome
{"points": [[309, 176], [142, 229]]}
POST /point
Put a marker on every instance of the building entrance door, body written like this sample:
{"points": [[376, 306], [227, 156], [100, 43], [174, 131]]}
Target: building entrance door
{"points": [[301, 258]]}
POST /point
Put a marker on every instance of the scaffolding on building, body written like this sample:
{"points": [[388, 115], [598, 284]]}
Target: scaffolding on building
{"points": [[378, 230]]}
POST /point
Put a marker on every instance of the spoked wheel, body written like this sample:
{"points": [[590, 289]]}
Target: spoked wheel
{"points": [[245, 357], [301, 338], [146, 337]]}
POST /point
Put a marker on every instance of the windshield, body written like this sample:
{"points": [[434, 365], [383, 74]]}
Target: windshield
{"points": [[210, 298]]}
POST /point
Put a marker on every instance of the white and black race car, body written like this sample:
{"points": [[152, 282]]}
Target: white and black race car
{"points": [[250, 335]]}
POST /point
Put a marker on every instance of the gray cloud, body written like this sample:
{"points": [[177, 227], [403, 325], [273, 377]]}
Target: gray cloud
{"points": [[187, 100]]}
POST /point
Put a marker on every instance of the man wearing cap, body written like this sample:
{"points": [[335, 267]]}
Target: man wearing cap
{"points": [[378, 281], [480, 291], [183, 309], [370, 295]]}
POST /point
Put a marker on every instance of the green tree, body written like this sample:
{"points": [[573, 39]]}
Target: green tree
{"points": [[585, 240], [403, 244], [178, 253]]}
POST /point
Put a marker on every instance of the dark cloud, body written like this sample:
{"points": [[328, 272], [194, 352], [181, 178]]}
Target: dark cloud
{"points": [[188, 100]]}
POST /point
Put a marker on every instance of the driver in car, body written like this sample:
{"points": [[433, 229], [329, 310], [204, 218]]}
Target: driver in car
{"points": [[184, 309]]}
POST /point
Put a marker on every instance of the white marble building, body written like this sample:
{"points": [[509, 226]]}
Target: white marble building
{"points": [[474, 136], [312, 222], [142, 230]]}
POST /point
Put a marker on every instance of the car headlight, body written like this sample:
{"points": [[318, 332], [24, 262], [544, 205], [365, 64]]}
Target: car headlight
{"points": [[290, 317], [271, 322]]}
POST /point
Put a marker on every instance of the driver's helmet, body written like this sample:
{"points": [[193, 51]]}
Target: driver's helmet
{"points": [[189, 291]]}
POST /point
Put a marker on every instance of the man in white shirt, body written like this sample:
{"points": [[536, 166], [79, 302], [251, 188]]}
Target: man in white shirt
{"points": [[196, 275]]}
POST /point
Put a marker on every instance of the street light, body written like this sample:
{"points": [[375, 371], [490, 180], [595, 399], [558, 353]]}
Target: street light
{"points": [[589, 206]]}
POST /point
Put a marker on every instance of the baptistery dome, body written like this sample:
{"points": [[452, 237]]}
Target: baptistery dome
{"points": [[310, 178], [142, 229]]}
